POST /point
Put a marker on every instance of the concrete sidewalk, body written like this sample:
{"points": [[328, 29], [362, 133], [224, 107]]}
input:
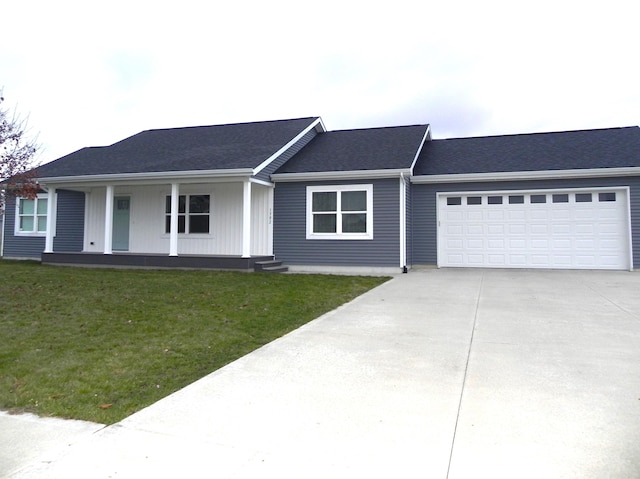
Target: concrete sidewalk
{"points": [[437, 373]]}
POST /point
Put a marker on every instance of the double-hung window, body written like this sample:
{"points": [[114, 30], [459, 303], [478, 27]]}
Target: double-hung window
{"points": [[340, 212], [31, 216], [193, 214]]}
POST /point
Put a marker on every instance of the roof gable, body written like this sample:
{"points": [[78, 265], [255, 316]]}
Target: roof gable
{"points": [[363, 149], [583, 149], [206, 148]]}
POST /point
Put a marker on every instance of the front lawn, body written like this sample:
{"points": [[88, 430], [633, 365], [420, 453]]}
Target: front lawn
{"points": [[99, 344]]}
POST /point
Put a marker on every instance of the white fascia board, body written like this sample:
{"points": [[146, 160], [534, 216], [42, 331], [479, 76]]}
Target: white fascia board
{"points": [[265, 163], [339, 175], [427, 136], [195, 176], [260, 182], [528, 175]]}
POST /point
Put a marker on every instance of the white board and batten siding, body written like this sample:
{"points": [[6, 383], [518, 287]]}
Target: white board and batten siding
{"points": [[555, 229], [147, 217]]}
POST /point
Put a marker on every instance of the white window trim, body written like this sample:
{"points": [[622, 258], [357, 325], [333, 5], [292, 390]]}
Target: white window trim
{"points": [[368, 188], [17, 231]]}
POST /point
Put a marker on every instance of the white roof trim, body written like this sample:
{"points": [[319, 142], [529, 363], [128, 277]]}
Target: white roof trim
{"points": [[164, 176], [427, 136], [265, 163], [339, 175], [528, 175]]}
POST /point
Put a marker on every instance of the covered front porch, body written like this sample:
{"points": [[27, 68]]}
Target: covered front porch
{"points": [[213, 223]]}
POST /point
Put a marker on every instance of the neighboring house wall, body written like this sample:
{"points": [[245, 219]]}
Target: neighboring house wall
{"points": [[292, 247], [424, 206], [19, 246]]}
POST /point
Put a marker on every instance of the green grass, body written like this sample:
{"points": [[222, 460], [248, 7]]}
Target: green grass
{"points": [[99, 345]]}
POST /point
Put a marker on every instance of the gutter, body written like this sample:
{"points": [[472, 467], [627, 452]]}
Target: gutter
{"points": [[189, 176], [528, 175], [339, 175]]}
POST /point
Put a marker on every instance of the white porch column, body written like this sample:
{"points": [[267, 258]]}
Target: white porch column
{"points": [[51, 220], [246, 219], [108, 221], [173, 234]]}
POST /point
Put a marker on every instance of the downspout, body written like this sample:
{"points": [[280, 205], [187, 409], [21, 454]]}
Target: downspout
{"points": [[403, 223]]}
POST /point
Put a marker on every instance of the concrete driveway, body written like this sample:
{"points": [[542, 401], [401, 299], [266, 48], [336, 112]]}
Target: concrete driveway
{"points": [[435, 374]]}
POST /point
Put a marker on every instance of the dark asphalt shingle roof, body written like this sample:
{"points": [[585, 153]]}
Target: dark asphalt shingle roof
{"points": [[605, 148], [218, 147], [365, 149]]}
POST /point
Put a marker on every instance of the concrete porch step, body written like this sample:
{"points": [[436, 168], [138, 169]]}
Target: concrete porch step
{"points": [[271, 266]]}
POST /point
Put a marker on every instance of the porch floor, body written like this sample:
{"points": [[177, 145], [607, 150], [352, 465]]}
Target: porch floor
{"points": [[142, 260]]}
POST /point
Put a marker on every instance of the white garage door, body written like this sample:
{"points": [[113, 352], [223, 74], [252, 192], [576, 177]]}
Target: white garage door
{"points": [[560, 229]]}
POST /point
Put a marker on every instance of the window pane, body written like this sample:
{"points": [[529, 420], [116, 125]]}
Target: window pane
{"points": [[583, 197], [354, 223], [199, 204], [42, 206], [516, 199], [27, 207], [182, 202], [199, 224], [606, 196], [474, 200], [324, 223], [494, 200], [561, 198], [538, 198], [26, 223], [42, 224], [354, 201], [181, 224], [454, 200], [324, 201]]}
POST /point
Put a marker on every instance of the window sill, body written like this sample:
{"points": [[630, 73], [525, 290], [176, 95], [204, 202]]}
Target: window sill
{"points": [[31, 235], [329, 236]]}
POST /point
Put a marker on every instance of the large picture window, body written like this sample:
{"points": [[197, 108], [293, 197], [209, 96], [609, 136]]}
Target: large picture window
{"points": [[31, 216], [194, 213], [340, 212]]}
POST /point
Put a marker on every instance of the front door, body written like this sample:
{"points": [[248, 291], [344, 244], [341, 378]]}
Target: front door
{"points": [[121, 207]]}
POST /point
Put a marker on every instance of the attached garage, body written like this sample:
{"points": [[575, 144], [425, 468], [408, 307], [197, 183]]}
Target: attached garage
{"points": [[560, 229]]}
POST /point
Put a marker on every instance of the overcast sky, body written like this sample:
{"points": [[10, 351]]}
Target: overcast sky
{"points": [[92, 73]]}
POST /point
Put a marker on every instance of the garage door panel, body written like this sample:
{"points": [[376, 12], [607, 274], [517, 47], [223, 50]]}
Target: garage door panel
{"points": [[553, 229]]}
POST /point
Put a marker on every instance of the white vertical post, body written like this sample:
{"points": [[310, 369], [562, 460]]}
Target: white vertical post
{"points": [[173, 234], [108, 221], [403, 221], [246, 219], [51, 221]]}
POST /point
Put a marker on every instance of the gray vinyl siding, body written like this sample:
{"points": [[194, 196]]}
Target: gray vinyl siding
{"points": [[424, 208], [19, 246], [69, 231], [292, 247], [286, 156], [70, 222]]}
